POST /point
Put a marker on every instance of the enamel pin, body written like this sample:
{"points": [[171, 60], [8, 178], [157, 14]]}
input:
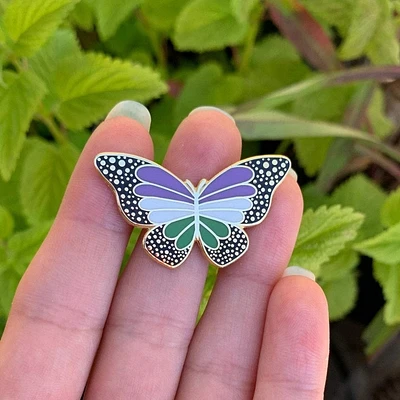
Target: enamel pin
{"points": [[177, 213]]}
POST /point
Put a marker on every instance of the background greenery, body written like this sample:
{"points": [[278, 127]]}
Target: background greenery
{"points": [[315, 80]]}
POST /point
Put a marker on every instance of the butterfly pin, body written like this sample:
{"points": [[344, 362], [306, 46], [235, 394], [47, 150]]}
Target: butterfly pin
{"points": [[177, 213]]}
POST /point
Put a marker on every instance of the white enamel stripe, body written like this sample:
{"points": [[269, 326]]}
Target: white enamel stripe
{"points": [[156, 203], [241, 204]]}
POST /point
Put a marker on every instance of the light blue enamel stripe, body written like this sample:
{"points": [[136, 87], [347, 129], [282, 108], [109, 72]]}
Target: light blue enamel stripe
{"points": [[164, 216], [228, 216], [227, 204], [154, 203]]}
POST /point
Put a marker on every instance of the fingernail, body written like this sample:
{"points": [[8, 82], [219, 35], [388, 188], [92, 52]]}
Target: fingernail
{"points": [[132, 109], [210, 108], [299, 271], [293, 173]]}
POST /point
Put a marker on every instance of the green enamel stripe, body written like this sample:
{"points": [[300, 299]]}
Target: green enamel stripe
{"points": [[208, 238], [219, 228], [174, 229], [185, 239]]}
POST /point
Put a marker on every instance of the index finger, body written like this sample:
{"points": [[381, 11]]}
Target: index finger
{"points": [[62, 302]]}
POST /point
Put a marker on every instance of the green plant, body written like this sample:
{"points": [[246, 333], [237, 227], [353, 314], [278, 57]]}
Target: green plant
{"points": [[65, 63]]}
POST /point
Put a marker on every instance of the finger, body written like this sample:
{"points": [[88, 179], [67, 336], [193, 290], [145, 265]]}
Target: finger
{"points": [[154, 308], [294, 354], [63, 299], [223, 355]]}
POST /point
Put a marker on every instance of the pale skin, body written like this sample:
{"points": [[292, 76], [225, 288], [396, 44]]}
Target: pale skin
{"points": [[73, 324]]}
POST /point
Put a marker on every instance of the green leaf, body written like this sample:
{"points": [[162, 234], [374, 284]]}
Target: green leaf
{"points": [[242, 8], [208, 85], [388, 277], [29, 24], [364, 19], [363, 195], [384, 247], [208, 288], [22, 246], [110, 14], [89, 87], [162, 14], [384, 46], [45, 176], [208, 25], [323, 233], [311, 153], [390, 212], [83, 15], [341, 295], [9, 280], [274, 64], [6, 223], [378, 333], [19, 100], [382, 126], [339, 265]]}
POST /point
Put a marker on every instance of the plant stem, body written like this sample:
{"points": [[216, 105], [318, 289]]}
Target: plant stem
{"points": [[53, 128], [251, 38]]}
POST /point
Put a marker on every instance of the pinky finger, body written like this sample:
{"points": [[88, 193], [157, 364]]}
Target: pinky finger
{"points": [[294, 354]]}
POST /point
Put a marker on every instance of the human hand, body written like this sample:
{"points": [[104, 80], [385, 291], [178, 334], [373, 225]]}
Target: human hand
{"points": [[74, 324]]}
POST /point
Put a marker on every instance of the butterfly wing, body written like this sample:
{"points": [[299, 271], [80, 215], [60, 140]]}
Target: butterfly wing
{"points": [[239, 197], [150, 196]]}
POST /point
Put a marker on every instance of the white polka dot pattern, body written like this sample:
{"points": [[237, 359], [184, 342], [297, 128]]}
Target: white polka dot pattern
{"points": [[268, 173], [230, 249], [120, 171]]}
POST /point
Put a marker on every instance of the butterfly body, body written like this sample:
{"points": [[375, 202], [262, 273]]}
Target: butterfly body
{"points": [[213, 213]]}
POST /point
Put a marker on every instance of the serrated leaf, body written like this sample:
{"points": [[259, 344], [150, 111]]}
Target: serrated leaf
{"points": [[110, 14], [208, 25], [29, 24], [382, 126], [91, 85], [384, 46], [22, 246], [323, 233], [364, 19], [19, 100], [388, 276], [208, 85], [339, 265], [61, 46], [384, 247], [46, 172], [311, 153], [363, 195], [162, 14], [390, 212], [274, 64], [6, 223], [341, 295]]}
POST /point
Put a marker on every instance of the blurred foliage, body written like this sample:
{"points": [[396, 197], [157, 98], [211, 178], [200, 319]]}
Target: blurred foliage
{"points": [[300, 76]]}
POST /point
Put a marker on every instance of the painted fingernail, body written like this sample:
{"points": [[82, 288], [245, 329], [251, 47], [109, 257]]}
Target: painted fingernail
{"points": [[132, 109], [293, 173], [211, 108], [299, 271]]}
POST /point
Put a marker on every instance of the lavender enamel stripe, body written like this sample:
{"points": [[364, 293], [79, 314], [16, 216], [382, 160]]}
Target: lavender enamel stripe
{"points": [[150, 190], [237, 191], [158, 176], [231, 177]]}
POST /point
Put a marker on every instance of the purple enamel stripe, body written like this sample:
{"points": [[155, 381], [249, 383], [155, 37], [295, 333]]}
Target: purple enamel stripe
{"points": [[148, 190], [232, 176], [158, 176], [237, 191]]}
